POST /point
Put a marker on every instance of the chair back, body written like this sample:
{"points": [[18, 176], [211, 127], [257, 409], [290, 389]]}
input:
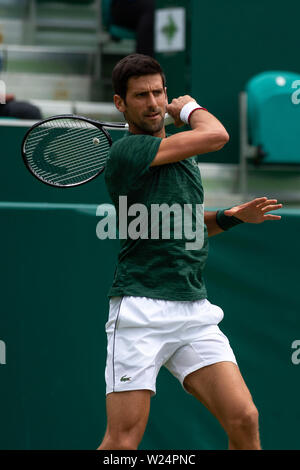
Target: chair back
{"points": [[273, 116]]}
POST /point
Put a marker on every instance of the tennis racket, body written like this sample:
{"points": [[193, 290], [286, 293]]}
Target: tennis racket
{"points": [[68, 150]]}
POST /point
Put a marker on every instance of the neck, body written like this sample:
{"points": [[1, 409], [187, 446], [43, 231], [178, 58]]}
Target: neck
{"points": [[137, 131]]}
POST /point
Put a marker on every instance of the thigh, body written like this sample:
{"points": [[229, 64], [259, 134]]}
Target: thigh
{"points": [[127, 412], [203, 343], [222, 389], [138, 331]]}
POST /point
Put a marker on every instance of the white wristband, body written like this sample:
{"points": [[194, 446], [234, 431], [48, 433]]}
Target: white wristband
{"points": [[187, 110]]}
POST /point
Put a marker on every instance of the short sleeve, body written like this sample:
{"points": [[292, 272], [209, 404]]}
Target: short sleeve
{"points": [[129, 160]]}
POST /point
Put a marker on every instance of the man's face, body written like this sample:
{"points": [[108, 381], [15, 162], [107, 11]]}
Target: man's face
{"points": [[145, 105]]}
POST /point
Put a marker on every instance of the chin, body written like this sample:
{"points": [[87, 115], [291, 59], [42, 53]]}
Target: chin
{"points": [[152, 128]]}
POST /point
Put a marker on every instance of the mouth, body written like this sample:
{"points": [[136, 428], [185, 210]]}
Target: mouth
{"points": [[153, 116]]}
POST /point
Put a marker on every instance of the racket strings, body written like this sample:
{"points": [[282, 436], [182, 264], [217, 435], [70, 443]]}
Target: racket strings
{"points": [[65, 154], [68, 156], [68, 160], [66, 151]]}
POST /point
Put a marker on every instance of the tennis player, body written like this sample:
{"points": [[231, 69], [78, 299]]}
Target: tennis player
{"points": [[159, 312]]}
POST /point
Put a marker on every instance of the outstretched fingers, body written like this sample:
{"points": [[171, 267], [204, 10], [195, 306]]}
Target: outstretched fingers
{"points": [[268, 205], [258, 201], [271, 217], [271, 207], [266, 202], [256, 211]]}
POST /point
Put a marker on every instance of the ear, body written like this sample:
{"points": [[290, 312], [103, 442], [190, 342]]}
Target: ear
{"points": [[119, 103], [167, 101]]}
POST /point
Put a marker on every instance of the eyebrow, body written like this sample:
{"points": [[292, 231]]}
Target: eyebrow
{"points": [[138, 92]]}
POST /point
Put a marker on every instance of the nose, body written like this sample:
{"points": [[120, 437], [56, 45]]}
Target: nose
{"points": [[152, 101]]}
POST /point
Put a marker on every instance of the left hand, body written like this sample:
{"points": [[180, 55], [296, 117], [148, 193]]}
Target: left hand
{"points": [[256, 211]]}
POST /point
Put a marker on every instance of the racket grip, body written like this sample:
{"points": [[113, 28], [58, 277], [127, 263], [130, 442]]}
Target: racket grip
{"points": [[168, 119]]}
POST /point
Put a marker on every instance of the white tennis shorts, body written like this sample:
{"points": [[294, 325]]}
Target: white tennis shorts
{"points": [[145, 334]]}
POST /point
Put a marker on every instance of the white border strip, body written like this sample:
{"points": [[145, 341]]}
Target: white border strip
{"points": [[17, 122]]}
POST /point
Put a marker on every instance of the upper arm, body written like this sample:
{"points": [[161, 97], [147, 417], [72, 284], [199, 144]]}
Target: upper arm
{"points": [[207, 135], [187, 144]]}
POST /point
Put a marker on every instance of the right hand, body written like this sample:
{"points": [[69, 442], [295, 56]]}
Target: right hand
{"points": [[176, 106]]}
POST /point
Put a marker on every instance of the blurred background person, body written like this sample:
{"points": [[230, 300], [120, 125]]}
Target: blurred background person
{"points": [[19, 109], [139, 16]]}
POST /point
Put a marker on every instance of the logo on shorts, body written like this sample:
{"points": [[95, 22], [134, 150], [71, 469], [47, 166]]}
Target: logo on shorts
{"points": [[125, 379]]}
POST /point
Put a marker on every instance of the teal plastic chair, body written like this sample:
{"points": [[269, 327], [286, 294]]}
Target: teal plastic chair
{"points": [[269, 122], [117, 32], [273, 117]]}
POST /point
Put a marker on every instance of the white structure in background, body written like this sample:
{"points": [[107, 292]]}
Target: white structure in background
{"points": [[2, 92]]}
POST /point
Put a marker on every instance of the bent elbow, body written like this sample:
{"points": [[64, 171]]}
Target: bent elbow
{"points": [[226, 137], [221, 139]]}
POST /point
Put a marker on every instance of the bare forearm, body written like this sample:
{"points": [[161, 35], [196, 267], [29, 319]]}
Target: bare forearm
{"points": [[204, 121], [211, 223], [207, 135]]}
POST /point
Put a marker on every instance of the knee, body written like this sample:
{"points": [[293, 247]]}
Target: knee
{"points": [[120, 441], [244, 421]]}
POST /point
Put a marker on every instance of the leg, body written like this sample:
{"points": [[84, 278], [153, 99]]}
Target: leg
{"points": [[145, 29], [221, 388], [127, 416], [138, 16]]}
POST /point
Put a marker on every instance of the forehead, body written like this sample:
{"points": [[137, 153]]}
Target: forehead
{"points": [[144, 83]]}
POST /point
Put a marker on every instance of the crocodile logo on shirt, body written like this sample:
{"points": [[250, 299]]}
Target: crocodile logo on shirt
{"points": [[125, 379]]}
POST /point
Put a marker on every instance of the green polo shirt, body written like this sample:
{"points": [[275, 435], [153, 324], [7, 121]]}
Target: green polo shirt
{"points": [[165, 250]]}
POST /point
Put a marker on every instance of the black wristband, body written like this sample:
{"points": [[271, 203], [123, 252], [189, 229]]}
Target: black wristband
{"points": [[226, 222]]}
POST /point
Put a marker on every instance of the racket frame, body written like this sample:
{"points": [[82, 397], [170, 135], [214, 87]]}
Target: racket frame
{"points": [[100, 125]]}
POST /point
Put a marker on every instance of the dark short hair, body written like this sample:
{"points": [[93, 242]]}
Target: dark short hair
{"points": [[134, 65]]}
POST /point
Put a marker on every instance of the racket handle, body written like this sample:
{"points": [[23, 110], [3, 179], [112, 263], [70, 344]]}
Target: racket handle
{"points": [[168, 120]]}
